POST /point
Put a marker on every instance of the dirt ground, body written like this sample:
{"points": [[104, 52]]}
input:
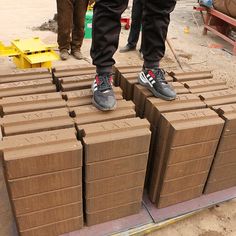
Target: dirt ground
{"points": [[196, 52]]}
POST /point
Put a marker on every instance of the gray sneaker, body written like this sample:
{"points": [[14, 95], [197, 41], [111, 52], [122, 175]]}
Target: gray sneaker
{"points": [[103, 95], [127, 48], [64, 54], [154, 80]]}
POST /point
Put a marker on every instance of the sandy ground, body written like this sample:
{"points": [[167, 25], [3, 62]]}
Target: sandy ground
{"points": [[195, 53]]}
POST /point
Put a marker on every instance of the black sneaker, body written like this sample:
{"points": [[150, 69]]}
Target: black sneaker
{"points": [[103, 95], [127, 48], [154, 80]]}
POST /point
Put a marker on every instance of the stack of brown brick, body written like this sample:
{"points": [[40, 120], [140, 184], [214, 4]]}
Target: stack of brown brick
{"points": [[44, 177], [115, 164], [184, 152], [223, 171]]}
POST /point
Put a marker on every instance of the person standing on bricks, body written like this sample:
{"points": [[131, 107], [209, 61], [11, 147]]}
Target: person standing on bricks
{"points": [[137, 12], [106, 30], [70, 19]]}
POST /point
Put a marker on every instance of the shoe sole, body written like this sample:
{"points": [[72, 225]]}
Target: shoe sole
{"points": [[103, 108], [146, 84]]}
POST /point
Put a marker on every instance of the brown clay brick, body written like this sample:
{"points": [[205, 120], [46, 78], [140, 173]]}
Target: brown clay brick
{"points": [[34, 102], [196, 150], [113, 213], [227, 143], [26, 87], [56, 228], [222, 172], [49, 216], [41, 153], [188, 168], [155, 106], [44, 183], [182, 196], [89, 114], [175, 185], [226, 157], [76, 82], [219, 97], [47, 200], [220, 185], [84, 97], [24, 74], [206, 85], [74, 70], [115, 167], [188, 76], [141, 94], [177, 130], [113, 184], [36, 121], [125, 133], [107, 201]]}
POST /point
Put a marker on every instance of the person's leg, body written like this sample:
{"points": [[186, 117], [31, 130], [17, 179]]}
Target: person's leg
{"points": [[156, 18], [137, 12], [80, 8], [106, 30], [64, 20]]}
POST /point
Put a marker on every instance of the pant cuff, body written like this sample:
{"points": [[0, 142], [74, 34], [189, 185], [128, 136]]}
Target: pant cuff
{"points": [[151, 64], [104, 69]]}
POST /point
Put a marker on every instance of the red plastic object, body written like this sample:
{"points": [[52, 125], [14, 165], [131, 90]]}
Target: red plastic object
{"points": [[126, 21]]}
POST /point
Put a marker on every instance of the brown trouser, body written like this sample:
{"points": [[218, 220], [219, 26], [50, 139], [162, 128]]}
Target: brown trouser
{"points": [[71, 17]]}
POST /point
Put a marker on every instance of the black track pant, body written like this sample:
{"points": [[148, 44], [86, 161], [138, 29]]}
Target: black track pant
{"points": [[106, 30], [137, 12]]}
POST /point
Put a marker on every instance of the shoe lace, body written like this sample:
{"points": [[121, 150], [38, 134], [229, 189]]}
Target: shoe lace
{"points": [[104, 82], [159, 75]]}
